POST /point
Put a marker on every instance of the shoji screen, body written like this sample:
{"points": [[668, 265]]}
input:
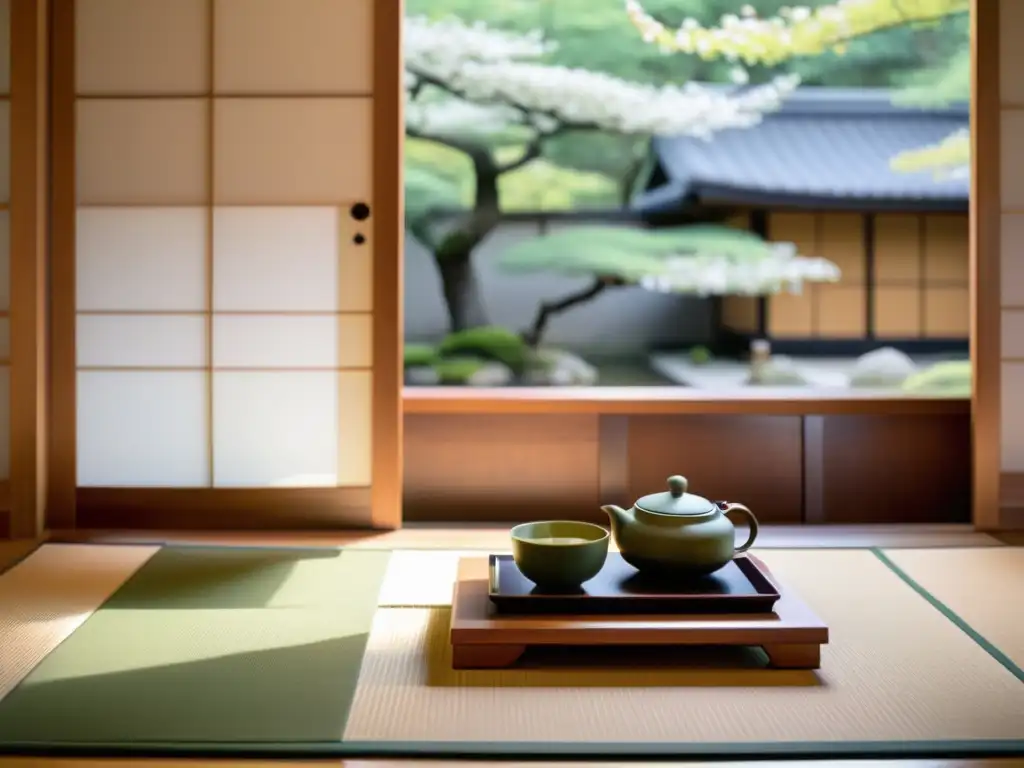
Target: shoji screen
{"points": [[225, 232]]}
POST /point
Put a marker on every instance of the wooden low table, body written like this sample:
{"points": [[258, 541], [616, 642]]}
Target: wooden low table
{"points": [[792, 636]]}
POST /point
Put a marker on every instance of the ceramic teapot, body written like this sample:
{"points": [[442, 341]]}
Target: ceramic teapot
{"points": [[676, 533]]}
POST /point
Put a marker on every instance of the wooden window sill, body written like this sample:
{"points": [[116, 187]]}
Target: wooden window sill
{"points": [[668, 400]]}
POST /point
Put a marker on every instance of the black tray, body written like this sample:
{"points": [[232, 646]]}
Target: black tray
{"points": [[739, 587]]}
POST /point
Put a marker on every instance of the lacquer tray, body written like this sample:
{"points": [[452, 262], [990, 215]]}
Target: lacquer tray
{"points": [[481, 638], [740, 587]]}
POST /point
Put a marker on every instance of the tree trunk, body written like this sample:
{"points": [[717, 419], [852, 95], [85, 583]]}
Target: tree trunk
{"points": [[461, 290], [454, 255]]}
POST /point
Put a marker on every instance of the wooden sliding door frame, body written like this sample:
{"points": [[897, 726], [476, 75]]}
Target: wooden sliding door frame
{"points": [[26, 491], [985, 264], [379, 504]]}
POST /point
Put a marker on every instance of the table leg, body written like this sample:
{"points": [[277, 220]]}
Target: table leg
{"points": [[485, 656], [794, 656]]}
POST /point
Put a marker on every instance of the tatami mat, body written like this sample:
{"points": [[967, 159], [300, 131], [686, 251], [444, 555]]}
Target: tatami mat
{"points": [[208, 645], [13, 552], [984, 587], [896, 670], [49, 594], [421, 578]]}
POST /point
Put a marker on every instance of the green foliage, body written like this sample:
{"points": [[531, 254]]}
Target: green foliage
{"points": [[490, 343], [426, 193], [701, 355], [537, 186], [418, 355], [952, 379], [941, 85], [457, 370], [624, 252]]}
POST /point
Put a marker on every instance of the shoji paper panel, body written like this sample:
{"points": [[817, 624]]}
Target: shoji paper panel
{"points": [[292, 151], [1011, 277], [281, 341], [947, 312], [141, 259], [355, 401], [275, 259], [275, 341], [142, 152], [142, 47], [1012, 432], [947, 249], [1011, 53], [898, 312], [1012, 155], [294, 46], [141, 341], [275, 429], [142, 428]]}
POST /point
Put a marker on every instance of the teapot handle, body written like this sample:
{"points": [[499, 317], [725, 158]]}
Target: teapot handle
{"points": [[728, 508]]}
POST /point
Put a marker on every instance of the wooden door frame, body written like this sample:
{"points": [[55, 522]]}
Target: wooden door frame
{"points": [[24, 494], [985, 222], [71, 507]]}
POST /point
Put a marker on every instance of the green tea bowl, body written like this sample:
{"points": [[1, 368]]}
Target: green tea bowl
{"points": [[559, 554]]}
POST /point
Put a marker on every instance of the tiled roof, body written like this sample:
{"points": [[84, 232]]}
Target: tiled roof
{"points": [[825, 147]]}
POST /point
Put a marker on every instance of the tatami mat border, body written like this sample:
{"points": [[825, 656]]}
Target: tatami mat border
{"points": [[425, 750], [989, 647]]}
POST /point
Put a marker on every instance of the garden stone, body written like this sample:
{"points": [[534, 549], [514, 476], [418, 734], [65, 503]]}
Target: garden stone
{"points": [[421, 376], [885, 367], [559, 368], [777, 371], [490, 375]]}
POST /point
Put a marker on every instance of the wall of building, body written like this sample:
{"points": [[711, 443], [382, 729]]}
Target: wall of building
{"points": [[921, 283], [223, 299], [1012, 238], [624, 320]]}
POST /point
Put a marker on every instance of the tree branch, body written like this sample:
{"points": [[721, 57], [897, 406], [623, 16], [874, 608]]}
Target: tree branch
{"points": [[532, 152], [452, 142], [525, 111], [601, 283]]}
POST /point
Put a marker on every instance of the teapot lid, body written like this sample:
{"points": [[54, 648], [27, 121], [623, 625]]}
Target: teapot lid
{"points": [[676, 501]]}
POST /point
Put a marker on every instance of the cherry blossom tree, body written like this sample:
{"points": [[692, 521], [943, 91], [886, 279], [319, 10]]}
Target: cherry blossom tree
{"points": [[468, 83], [801, 31]]}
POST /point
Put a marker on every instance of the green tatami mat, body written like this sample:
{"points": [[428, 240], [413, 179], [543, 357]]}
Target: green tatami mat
{"points": [[209, 645], [243, 577]]}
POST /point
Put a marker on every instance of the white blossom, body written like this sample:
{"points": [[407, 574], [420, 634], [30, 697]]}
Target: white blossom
{"points": [[710, 274], [506, 74], [743, 35]]}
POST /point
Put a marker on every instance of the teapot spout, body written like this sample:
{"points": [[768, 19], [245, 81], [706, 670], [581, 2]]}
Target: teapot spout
{"points": [[617, 516]]}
